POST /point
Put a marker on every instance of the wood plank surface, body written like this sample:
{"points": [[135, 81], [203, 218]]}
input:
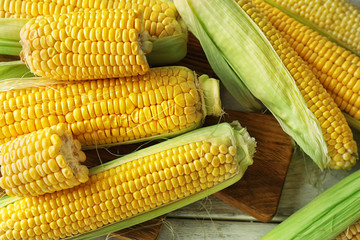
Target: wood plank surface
{"points": [[213, 230], [148, 230], [258, 192]]}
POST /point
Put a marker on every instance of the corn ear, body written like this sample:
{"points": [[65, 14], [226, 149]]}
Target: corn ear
{"points": [[340, 26], [324, 217], [166, 50], [335, 67], [254, 60], [165, 102], [125, 177]]}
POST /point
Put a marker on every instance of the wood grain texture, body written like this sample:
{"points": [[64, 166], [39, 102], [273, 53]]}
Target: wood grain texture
{"points": [[148, 230], [195, 58], [258, 192], [200, 229]]}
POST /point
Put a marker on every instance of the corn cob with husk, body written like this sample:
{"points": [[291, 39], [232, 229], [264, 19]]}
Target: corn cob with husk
{"points": [[164, 102], [336, 68], [276, 75], [160, 17], [165, 34], [40, 162], [134, 188], [328, 216]]}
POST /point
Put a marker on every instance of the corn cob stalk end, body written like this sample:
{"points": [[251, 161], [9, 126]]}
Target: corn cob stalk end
{"points": [[40, 162]]}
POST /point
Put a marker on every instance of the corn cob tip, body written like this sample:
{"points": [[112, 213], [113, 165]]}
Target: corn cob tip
{"points": [[145, 43], [44, 161], [211, 94]]}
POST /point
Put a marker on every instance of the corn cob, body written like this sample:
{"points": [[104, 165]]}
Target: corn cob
{"points": [[336, 68], [135, 188], [164, 102], [337, 134], [160, 20], [272, 64], [42, 162], [86, 45], [337, 20], [160, 17], [326, 216]]}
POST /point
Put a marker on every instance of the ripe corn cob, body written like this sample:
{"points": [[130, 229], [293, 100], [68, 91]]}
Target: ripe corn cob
{"points": [[164, 102], [160, 17], [86, 45], [337, 20], [40, 162], [136, 187], [337, 134], [336, 68], [280, 72]]}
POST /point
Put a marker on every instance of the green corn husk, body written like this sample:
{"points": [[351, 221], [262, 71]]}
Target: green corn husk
{"points": [[354, 123], [10, 36], [326, 216], [223, 70], [222, 133], [14, 69], [247, 51]]}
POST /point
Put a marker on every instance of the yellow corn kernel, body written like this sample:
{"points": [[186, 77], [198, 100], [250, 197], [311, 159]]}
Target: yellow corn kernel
{"points": [[49, 170]]}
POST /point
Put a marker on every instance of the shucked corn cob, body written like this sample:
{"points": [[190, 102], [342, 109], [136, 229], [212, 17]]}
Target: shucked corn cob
{"points": [[160, 17], [42, 162], [337, 69], [293, 88], [164, 102], [135, 188], [337, 20], [86, 45]]}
